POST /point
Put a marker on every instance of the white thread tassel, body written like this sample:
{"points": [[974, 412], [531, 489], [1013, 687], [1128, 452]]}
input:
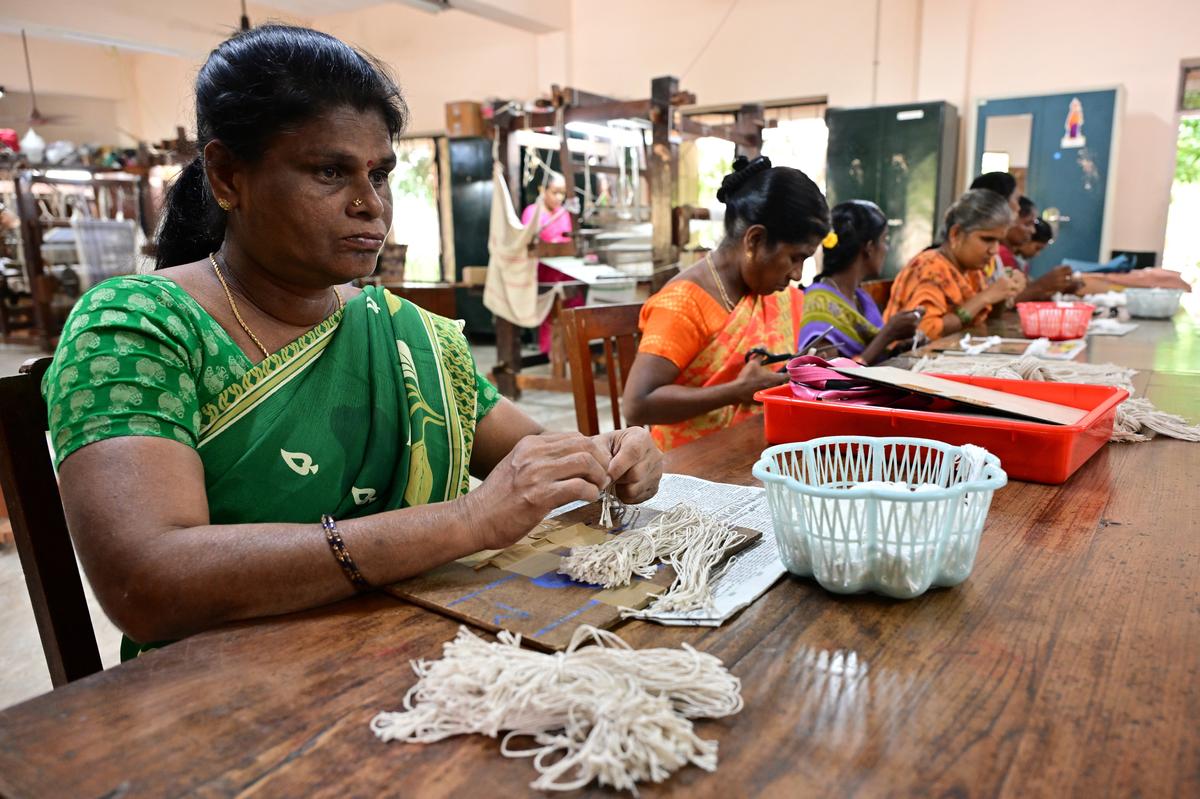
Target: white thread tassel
{"points": [[692, 542], [1137, 418], [603, 712], [695, 566]]}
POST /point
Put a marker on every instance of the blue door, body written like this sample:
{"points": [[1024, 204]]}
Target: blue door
{"points": [[1066, 165]]}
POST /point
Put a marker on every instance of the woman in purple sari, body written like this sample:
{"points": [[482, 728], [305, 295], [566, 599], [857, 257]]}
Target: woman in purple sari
{"points": [[836, 310]]}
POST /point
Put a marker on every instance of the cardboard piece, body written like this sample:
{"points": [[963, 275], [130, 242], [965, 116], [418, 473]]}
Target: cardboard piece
{"points": [[519, 588], [975, 396]]}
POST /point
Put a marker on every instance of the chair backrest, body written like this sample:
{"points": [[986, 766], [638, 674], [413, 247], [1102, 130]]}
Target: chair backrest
{"points": [[40, 528], [617, 327], [878, 290]]}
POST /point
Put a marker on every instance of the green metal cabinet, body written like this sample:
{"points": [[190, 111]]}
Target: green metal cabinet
{"points": [[901, 157], [471, 207]]}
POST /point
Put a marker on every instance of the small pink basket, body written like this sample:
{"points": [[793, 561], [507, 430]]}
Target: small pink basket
{"points": [[1056, 321]]}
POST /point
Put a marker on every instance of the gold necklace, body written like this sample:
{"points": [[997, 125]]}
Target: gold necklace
{"points": [[720, 285], [237, 314]]}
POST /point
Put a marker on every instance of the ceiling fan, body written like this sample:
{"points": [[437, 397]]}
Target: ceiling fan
{"points": [[212, 29], [36, 117]]}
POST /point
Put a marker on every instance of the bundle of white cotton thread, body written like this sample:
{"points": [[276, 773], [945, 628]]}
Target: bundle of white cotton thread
{"points": [[603, 712], [696, 567], [692, 542], [1137, 418], [634, 552]]}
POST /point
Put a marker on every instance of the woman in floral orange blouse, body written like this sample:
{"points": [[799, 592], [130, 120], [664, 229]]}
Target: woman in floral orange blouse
{"points": [[691, 376], [948, 280]]}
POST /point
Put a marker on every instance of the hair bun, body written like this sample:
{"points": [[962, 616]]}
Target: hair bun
{"points": [[743, 170]]}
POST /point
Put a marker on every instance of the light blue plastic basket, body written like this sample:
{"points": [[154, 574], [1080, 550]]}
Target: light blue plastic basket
{"points": [[890, 541]]}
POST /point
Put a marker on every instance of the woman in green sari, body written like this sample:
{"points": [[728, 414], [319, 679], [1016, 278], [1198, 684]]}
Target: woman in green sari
{"points": [[241, 433]]}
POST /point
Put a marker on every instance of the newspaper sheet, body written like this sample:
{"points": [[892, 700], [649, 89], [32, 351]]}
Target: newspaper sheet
{"points": [[750, 573]]}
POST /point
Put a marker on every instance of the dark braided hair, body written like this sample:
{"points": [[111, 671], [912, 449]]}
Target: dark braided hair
{"points": [[1025, 205], [1002, 183], [783, 200], [856, 223], [254, 86], [1042, 232]]}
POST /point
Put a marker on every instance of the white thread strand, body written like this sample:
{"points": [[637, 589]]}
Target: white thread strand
{"points": [[695, 566], [1137, 418], [607, 500], [603, 712]]}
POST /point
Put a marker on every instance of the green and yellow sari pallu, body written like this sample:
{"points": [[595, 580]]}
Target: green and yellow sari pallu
{"points": [[374, 409]]}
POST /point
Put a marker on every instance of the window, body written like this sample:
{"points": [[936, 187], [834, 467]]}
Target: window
{"points": [[797, 137], [415, 218], [1189, 86]]}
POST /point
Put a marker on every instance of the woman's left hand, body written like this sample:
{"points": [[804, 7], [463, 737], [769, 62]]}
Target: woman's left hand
{"points": [[636, 465]]}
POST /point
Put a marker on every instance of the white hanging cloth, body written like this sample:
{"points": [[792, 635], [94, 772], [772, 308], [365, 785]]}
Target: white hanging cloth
{"points": [[511, 290]]}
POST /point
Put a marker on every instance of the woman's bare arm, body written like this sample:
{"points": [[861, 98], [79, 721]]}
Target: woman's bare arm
{"points": [[651, 395], [139, 518]]}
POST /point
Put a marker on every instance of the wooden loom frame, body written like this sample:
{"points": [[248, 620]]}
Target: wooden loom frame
{"points": [[668, 223]]}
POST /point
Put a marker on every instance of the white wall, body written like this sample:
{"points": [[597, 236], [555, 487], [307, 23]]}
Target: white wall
{"points": [[440, 58], [63, 71], [768, 49], [957, 50], [1070, 45]]}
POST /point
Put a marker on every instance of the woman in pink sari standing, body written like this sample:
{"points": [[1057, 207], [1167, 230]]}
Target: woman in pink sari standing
{"points": [[554, 227]]}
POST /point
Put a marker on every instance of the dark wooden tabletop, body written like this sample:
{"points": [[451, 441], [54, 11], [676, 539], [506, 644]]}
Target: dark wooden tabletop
{"points": [[1068, 664]]}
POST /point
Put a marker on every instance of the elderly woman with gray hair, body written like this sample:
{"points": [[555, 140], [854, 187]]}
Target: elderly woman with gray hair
{"points": [[947, 280]]}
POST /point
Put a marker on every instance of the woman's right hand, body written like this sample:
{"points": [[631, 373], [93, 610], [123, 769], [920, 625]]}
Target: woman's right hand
{"points": [[901, 326], [541, 473], [754, 377], [1000, 291]]}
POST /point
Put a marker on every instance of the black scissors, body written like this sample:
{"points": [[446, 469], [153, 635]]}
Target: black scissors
{"points": [[814, 348], [767, 357]]}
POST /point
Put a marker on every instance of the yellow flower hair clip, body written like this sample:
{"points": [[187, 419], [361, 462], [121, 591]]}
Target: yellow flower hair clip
{"points": [[830, 241]]}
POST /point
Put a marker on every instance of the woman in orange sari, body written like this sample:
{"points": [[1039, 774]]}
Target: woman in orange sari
{"points": [[948, 280], [692, 375]]}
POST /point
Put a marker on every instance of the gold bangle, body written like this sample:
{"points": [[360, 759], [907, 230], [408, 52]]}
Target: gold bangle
{"points": [[341, 555]]}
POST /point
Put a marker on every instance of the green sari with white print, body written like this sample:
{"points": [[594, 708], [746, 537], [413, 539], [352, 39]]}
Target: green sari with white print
{"points": [[373, 409]]}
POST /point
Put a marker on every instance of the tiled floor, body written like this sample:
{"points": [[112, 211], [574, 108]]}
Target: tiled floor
{"points": [[22, 667]]}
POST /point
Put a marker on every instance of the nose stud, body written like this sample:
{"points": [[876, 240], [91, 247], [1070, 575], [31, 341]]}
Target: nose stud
{"points": [[357, 202]]}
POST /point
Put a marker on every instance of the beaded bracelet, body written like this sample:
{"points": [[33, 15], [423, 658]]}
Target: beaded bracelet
{"points": [[964, 317], [341, 555]]}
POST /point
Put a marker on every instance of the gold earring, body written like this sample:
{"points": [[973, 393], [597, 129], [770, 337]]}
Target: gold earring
{"points": [[749, 255], [357, 202], [224, 204]]}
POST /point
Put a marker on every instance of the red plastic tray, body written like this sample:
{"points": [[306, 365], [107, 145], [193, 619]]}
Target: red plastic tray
{"points": [[1031, 451]]}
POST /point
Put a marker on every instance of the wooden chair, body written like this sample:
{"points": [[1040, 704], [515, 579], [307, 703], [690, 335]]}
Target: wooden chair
{"points": [[879, 290], [40, 529], [617, 327]]}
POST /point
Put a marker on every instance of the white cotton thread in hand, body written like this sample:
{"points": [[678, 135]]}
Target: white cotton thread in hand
{"points": [[607, 501], [603, 712]]}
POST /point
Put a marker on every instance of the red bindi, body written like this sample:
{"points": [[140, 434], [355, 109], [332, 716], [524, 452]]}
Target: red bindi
{"points": [[370, 164]]}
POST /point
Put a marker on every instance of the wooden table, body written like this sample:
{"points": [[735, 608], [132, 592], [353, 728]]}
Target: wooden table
{"points": [[1067, 664]]}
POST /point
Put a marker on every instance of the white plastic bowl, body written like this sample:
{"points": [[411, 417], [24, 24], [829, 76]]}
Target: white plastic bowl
{"points": [[892, 541], [1153, 303]]}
